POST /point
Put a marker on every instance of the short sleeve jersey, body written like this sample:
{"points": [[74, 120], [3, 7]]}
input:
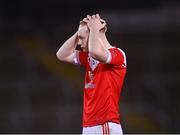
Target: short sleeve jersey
{"points": [[103, 85]]}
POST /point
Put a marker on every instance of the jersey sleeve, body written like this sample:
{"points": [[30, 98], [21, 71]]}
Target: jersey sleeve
{"points": [[117, 57], [80, 58]]}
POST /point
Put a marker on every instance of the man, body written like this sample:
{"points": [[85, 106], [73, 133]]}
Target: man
{"points": [[105, 71]]}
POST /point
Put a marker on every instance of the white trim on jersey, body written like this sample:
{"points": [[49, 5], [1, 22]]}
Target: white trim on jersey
{"points": [[76, 57], [109, 56]]}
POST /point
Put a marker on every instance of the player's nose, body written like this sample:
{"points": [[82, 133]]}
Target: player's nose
{"points": [[79, 42]]}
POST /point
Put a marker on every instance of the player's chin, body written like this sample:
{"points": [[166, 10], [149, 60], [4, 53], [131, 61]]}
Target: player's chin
{"points": [[84, 49]]}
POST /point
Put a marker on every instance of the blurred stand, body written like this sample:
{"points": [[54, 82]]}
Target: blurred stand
{"points": [[39, 94]]}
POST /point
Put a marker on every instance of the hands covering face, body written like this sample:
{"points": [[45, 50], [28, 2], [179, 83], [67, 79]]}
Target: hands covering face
{"points": [[94, 22]]}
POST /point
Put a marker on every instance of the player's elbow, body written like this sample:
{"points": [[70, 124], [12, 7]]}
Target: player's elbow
{"points": [[59, 56]]}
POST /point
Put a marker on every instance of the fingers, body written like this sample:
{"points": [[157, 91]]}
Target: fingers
{"points": [[86, 20], [95, 16], [88, 17], [104, 24], [102, 21]]}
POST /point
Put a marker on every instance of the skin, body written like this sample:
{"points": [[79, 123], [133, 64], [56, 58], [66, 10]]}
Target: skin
{"points": [[83, 34], [91, 37]]}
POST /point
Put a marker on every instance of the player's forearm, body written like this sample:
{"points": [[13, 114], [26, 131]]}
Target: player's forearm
{"points": [[67, 48], [95, 43]]}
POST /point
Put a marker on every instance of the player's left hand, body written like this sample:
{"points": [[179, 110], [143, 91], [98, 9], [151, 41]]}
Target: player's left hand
{"points": [[95, 23]]}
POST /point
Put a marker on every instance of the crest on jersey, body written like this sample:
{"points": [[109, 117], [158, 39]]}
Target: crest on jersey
{"points": [[92, 62]]}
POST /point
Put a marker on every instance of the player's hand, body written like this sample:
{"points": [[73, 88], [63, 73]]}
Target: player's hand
{"points": [[95, 23], [84, 20]]}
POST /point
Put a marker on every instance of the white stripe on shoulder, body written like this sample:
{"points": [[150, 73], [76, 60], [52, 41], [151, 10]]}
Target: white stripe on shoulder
{"points": [[109, 56]]}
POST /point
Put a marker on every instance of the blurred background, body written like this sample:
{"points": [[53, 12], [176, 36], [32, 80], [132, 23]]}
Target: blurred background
{"points": [[39, 94]]}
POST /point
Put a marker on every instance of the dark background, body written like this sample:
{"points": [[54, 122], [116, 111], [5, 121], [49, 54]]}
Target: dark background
{"points": [[39, 94]]}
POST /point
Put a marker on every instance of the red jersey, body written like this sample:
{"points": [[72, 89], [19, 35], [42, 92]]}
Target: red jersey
{"points": [[103, 84]]}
